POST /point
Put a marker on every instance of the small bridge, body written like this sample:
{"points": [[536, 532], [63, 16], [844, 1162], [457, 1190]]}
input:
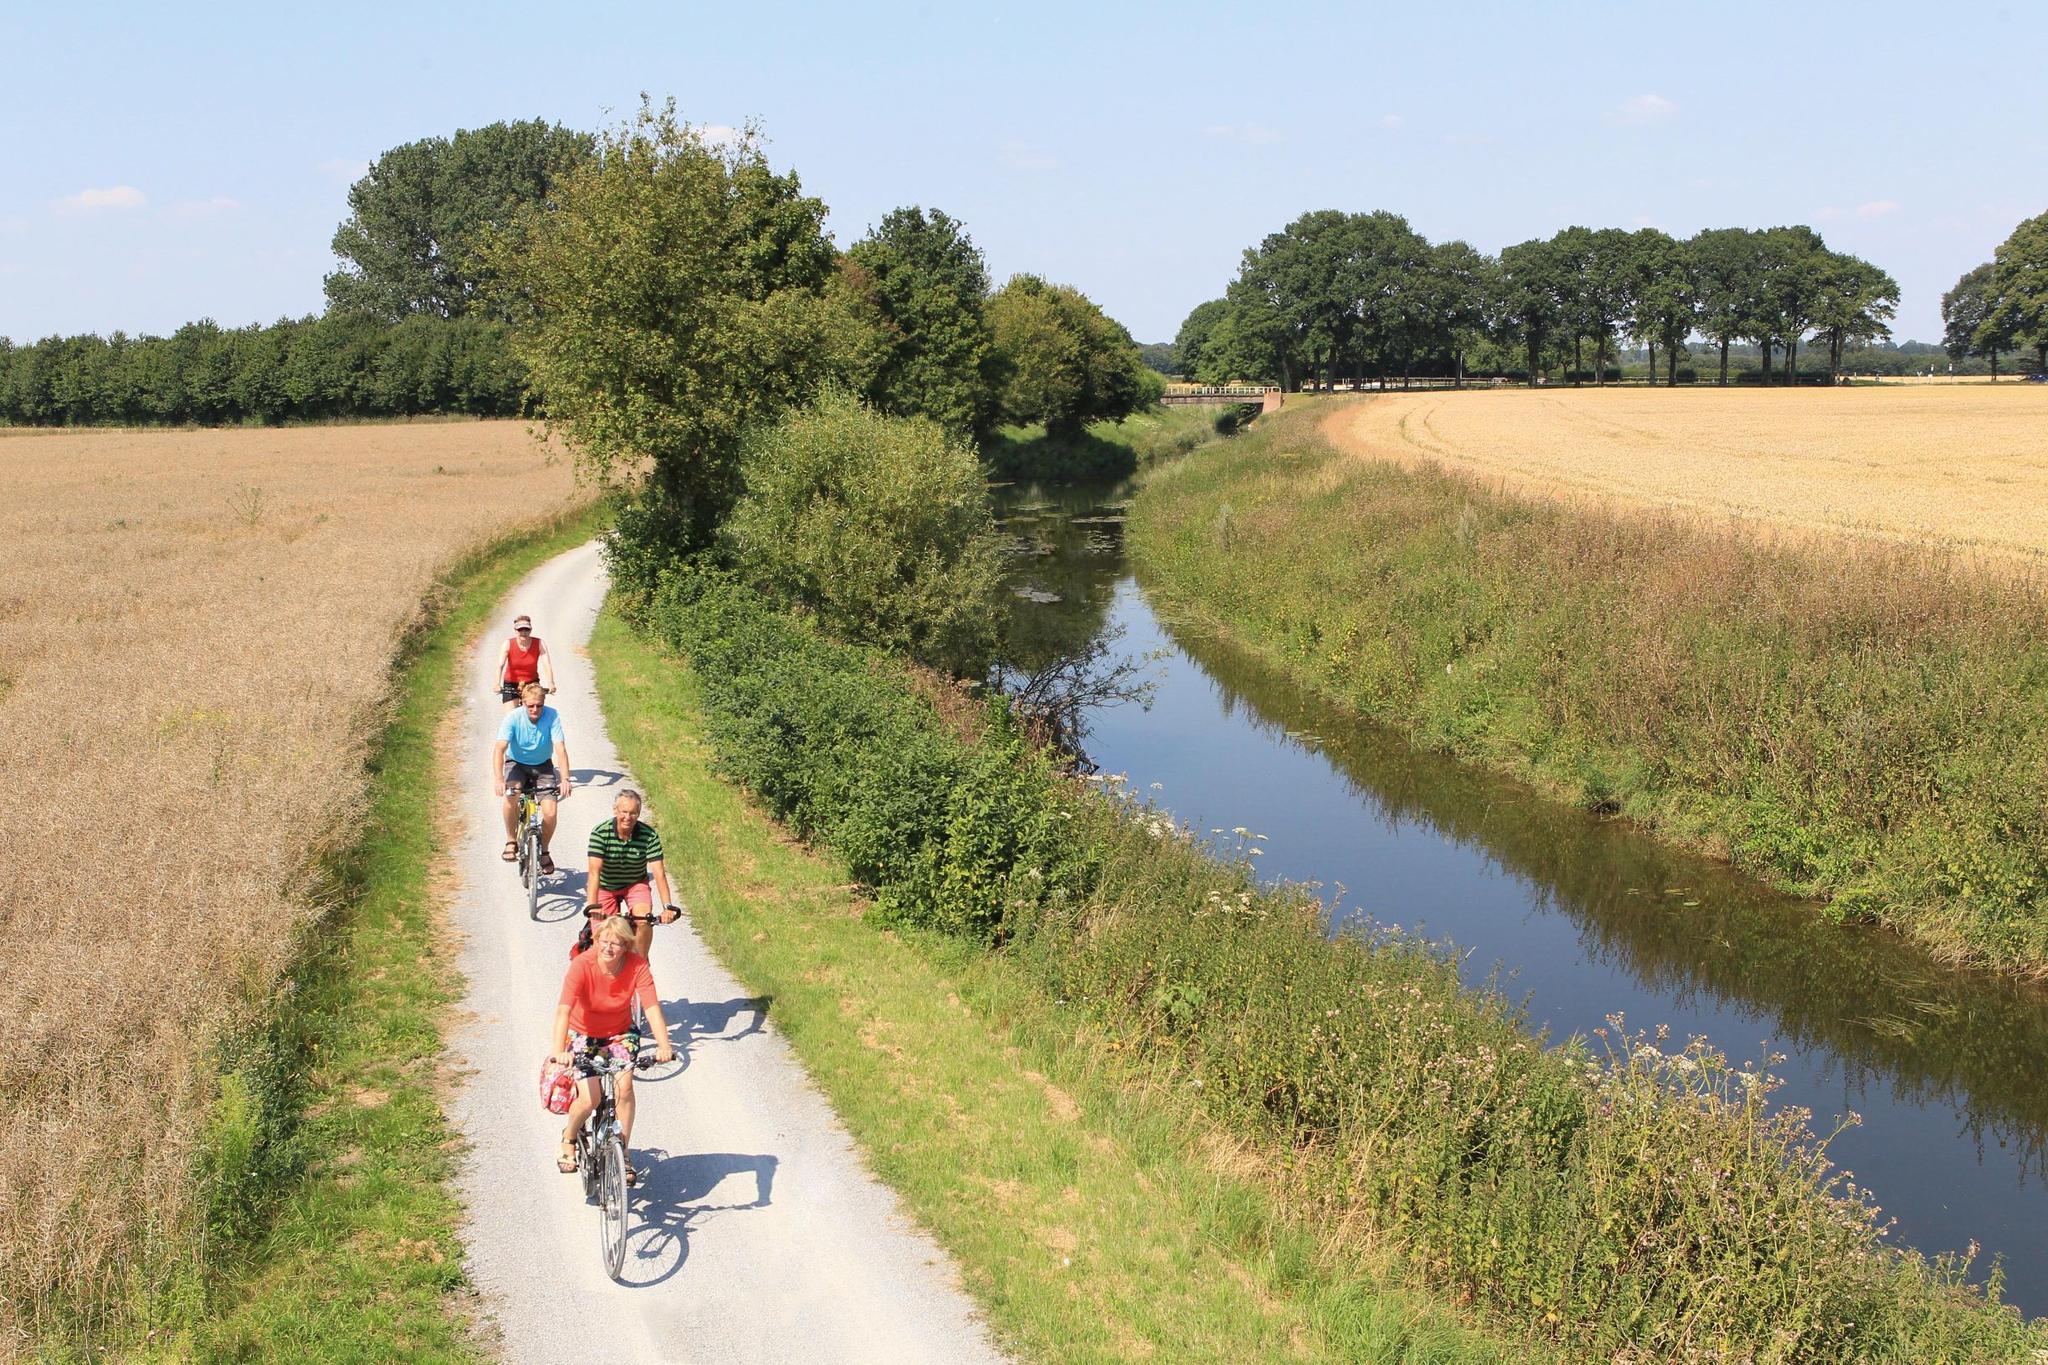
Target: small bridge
{"points": [[1243, 395]]}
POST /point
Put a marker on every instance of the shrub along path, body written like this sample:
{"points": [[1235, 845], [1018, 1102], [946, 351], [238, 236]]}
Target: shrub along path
{"points": [[1093, 1206], [757, 1235]]}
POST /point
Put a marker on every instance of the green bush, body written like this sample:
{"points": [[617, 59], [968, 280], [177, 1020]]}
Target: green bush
{"points": [[877, 526], [1627, 1200], [834, 739]]}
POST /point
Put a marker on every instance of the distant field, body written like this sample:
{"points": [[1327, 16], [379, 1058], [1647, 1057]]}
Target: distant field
{"points": [[1962, 463], [195, 632]]}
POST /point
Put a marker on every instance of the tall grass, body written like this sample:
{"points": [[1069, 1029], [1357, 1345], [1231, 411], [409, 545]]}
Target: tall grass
{"points": [[1865, 723], [1635, 1198], [194, 674]]}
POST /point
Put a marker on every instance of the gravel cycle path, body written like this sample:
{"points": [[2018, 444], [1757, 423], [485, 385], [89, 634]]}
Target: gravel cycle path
{"points": [[757, 1234]]}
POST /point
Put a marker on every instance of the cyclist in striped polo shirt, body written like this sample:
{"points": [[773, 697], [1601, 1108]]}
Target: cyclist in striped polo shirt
{"points": [[625, 853]]}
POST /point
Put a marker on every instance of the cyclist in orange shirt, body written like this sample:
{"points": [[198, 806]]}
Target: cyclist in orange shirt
{"points": [[594, 1021]]}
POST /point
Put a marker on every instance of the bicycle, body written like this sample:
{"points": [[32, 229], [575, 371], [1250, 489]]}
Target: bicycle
{"points": [[601, 1162], [530, 845]]}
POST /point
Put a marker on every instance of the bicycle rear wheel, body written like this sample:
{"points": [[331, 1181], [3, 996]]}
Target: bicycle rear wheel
{"points": [[611, 1205]]}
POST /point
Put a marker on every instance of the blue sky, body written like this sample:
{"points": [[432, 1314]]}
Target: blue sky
{"points": [[164, 165]]}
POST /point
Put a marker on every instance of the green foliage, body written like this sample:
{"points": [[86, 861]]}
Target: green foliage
{"points": [[416, 219], [2019, 285], [1063, 362], [1106, 451], [671, 292], [1866, 725], [834, 739], [307, 369], [1191, 343], [928, 283], [1621, 1201], [878, 527]]}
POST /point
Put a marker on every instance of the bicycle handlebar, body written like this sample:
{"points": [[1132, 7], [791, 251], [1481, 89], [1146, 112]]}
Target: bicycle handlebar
{"points": [[592, 912]]}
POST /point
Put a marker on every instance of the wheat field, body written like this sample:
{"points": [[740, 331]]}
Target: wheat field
{"points": [[196, 629], [1962, 464]]}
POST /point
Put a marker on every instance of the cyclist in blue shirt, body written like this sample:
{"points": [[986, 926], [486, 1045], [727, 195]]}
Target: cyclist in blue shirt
{"points": [[531, 752]]}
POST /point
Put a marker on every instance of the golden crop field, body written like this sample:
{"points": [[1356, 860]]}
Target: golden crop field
{"points": [[196, 629], [1966, 464]]}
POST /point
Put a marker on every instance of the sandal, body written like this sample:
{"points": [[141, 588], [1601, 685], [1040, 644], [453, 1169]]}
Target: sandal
{"points": [[632, 1177], [566, 1162], [511, 853], [547, 863]]}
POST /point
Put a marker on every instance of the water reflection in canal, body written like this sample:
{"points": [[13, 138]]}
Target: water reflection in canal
{"points": [[1949, 1070]]}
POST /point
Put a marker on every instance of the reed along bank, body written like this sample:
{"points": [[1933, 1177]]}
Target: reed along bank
{"points": [[1864, 723]]}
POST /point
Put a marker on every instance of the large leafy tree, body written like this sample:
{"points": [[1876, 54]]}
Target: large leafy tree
{"points": [[1064, 362], [1787, 274], [409, 244], [1724, 278], [670, 293], [2019, 288], [929, 283], [1853, 304], [1528, 307], [1289, 287], [1964, 311], [1663, 296], [1460, 282], [1191, 343]]}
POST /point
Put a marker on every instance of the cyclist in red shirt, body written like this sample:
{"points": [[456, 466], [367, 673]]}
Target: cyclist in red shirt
{"points": [[594, 1022], [524, 659]]}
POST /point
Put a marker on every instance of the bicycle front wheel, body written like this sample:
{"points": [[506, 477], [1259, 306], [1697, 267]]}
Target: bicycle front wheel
{"points": [[611, 1205], [531, 865]]}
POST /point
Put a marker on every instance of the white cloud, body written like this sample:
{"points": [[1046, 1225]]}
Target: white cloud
{"points": [[1022, 156], [1391, 120], [1642, 220], [113, 197], [202, 208], [1249, 133], [346, 169], [1642, 109], [1826, 213], [719, 134], [1877, 208]]}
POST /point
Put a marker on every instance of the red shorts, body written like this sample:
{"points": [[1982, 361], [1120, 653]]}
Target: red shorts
{"points": [[639, 896]]}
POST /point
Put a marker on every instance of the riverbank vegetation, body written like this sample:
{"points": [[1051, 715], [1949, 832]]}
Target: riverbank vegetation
{"points": [[1092, 1207], [1104, 451], [174, 676], [1613, 1197], [1858, 722]]}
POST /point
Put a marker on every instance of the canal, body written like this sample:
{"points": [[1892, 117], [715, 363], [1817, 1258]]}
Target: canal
{"points": [[1582, 917]]}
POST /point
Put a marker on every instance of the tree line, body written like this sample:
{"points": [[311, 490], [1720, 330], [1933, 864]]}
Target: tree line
{"points": [[2002, 305], [431, 288], [1364, 295]]}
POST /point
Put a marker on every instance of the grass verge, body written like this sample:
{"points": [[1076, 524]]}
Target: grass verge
{"points": [[1866, 724], [1094, 1210], [358, 1256]]}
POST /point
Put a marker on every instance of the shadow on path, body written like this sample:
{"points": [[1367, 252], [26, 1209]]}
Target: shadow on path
{"points": [[673, 1202], [692, 1022]]}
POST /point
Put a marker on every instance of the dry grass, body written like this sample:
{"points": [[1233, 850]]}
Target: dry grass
{"points": [[195, 635], [1966, 464]]}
